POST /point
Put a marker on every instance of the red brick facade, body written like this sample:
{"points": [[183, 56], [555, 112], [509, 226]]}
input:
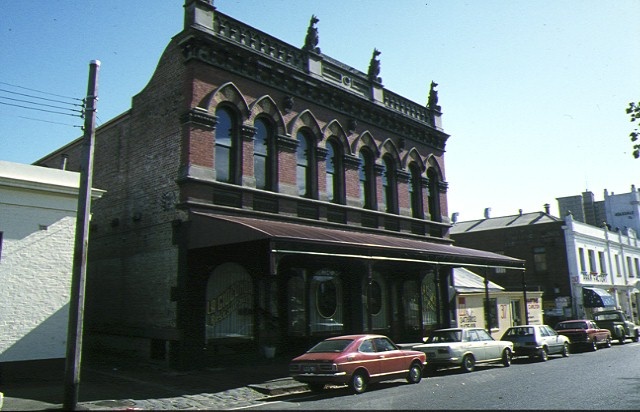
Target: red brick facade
{"points": [[147, 280]]}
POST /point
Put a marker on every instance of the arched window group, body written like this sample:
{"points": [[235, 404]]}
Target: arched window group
{"points": [[228, 168]]}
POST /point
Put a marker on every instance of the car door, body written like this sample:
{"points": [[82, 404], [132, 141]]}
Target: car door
{"points": [[552, 339], [475, 344], [368, 357], [388, 355], [491, 348]]}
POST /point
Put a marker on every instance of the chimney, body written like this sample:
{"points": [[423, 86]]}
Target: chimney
{"points": [[547, 208], [63, 161], [520, 212], [454, 217], [487, 212]]}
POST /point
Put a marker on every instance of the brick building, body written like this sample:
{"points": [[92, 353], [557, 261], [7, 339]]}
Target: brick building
{"points": [[537, 238], [261, 194], [580, 268]]}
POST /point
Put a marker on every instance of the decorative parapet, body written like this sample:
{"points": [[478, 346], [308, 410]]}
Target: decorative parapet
{"points": [[293, 70], [408, 108], [260, 42]]}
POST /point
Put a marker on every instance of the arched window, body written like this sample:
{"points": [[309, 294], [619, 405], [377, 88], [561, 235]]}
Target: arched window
{"points": [[335, 173], [367, 179], [415, 191], [305, 166], [434, 195], [226, 147], [263, 155], [389, 187]]}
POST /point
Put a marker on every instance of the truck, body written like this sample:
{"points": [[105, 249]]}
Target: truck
{"points": [[619, 325]]}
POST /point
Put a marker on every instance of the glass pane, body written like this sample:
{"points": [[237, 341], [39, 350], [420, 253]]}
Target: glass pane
{"points": [[297, 303], [223, 145], [326, 305], [260, 154], [302, 167], [229, 303]]}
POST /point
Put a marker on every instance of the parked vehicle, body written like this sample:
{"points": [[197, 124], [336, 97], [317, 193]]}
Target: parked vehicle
{"points": [[356, 360], [536, 341], [584, 334], [464, 347], [619, 325]]}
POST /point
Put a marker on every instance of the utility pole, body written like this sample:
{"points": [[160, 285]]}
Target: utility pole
{"points": [[76, 301]]}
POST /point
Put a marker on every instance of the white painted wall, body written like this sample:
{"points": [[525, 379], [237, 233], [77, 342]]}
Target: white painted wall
{"points": [[37, 221]]}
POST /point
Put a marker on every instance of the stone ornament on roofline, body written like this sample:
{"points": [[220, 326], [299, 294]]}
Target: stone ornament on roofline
{"points": [[311, 41], [433, 97], [374, 67]]}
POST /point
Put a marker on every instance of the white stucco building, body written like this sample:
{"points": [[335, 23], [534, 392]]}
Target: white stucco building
{"points": [[604, 267], [37, 230], [506, 308]]}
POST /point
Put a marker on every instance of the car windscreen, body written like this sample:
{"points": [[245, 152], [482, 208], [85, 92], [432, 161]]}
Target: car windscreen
{"points": [[572, 325], [445, 336], [519, 331], [606, 316], [333, 346]]}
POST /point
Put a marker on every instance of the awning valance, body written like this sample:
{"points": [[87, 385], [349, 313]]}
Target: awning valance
{"points": [[295, 238], [596, 298]]}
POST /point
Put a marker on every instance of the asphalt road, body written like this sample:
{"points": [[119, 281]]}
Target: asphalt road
{"points": [[607, 379]]}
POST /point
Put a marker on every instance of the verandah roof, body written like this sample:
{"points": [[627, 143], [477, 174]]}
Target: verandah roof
{"points": [[295, 238]]}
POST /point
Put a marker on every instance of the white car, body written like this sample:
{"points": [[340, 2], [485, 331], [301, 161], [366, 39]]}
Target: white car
{"points": [[464, 347], [537, 341]]}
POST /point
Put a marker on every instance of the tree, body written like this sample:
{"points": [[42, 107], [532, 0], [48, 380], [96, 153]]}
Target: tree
{"points": [[634, 113]]}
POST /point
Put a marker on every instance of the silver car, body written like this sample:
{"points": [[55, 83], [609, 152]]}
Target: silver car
{"points": [[537, 341], [464, 347]]}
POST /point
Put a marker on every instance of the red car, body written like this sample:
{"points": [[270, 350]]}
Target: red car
{"points": [[585, 333], [356, 360]]}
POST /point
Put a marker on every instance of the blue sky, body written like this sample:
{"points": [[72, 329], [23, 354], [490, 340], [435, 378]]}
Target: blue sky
{"points": [[533, 92]]}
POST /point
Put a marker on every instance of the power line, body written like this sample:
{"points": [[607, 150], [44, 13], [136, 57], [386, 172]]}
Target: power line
{"points": [[43, 104], [49, 121], [39, 110], [41, 98], [39, 91]]}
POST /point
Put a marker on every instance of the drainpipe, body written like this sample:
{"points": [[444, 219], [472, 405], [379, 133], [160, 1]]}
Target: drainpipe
{"points": [[524, 294], [487, 317]]}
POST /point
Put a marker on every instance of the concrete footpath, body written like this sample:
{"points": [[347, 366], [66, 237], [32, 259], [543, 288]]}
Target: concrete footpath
{"points": [[126, 384]]}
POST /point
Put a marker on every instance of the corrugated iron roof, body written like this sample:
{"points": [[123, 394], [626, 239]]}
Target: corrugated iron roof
{"points": [[501, 222], [236, 229], [466, 281]]}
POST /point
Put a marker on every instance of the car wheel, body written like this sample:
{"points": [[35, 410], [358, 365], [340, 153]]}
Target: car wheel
{"points": [[621, 339], [316, 387], [565, 349], [607, 343], [543, 354], [415, 373], [506, 357], [359, 382], [637, 337], [468, 363], [594, 345]]}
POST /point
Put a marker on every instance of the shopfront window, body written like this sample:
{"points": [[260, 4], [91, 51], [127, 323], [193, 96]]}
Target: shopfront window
{"points": [[326, 302], [229, 303], [411, 297], [375, 303], [297, 303], [429, 303]]}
